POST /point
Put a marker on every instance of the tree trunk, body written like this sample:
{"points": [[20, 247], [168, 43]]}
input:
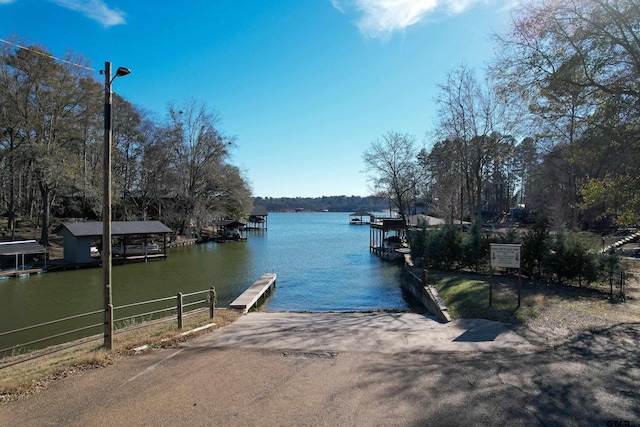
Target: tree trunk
{"points": [[11, 214], [45, 194]]}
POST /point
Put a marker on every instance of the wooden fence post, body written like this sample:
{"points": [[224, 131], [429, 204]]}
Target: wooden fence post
{"points": [[212, 301], [108, 336], [179, 307], [491, 287]]}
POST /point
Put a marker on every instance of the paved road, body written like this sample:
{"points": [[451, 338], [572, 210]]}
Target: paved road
{"points": [[353, 369]]}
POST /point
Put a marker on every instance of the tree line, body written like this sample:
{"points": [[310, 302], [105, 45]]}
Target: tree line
{"points": [[318, 204], [552, 126], [175, 169]]}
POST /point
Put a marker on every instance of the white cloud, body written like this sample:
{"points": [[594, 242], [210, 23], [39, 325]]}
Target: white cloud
{"points": [[382, 18], [459, 6], [335, 3], [94, 9], [6, 1]]}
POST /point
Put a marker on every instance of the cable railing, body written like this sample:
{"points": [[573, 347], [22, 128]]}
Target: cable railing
{"points": [[180, 308]]}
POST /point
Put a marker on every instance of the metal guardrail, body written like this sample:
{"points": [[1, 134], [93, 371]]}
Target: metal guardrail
{"points": [[179, 308], [52, 322]]}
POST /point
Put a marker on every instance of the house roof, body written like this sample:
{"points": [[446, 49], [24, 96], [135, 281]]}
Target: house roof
{"points": [[21, 247], [118, 228], [418, 220]]}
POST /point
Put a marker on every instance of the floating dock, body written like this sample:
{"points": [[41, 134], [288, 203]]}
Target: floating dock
{"points": [[20, 273], [251, 296]]}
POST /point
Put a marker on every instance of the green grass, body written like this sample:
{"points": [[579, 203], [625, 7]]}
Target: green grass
{"points": [[467, 296]]}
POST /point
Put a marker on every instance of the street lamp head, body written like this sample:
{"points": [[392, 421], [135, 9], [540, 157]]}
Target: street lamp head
{"points": [[122, 72]]}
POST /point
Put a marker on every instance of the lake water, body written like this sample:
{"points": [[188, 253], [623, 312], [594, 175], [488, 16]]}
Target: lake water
{"points": [[322, 263]]}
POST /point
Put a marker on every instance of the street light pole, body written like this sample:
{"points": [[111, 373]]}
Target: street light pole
{"points": [[106, 204]]}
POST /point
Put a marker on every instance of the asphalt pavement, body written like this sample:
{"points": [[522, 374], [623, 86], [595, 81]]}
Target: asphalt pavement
{"points": [[354, 369]]}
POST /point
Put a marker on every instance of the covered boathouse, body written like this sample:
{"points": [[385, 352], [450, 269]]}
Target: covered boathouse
{"points": [[16, 250], [258, 218], [137, 236], [358, 218], [381, 232]]}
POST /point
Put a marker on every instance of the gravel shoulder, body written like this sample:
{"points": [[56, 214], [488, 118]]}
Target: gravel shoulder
{"points": [[559, 313]]}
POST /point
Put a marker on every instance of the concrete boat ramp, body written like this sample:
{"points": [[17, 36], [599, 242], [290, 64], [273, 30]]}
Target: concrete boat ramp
{"points": [[365, 332], [360, 331]]}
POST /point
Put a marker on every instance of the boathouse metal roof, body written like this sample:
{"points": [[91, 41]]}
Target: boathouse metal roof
{"points": [[21, 247], [390, 224], [118, 228], [78, 236]]}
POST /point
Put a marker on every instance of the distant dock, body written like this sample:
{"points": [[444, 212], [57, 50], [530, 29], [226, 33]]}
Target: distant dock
{"points": [[251, 296]]}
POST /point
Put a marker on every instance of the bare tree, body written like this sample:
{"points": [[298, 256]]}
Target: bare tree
{"points": [[11, 135], [475, 122], [47, 101], [196, 147], [51, 127], [391, 162], [128, 144], [575, 65], [446, 188]]}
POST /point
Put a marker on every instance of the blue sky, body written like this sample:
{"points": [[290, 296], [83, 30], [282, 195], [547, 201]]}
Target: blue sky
{"points": [[305, 86]]}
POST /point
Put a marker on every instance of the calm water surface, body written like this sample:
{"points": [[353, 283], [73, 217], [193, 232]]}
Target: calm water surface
{"points": [[322, 262]]}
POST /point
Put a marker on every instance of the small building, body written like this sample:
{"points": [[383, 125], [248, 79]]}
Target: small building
{"points": [[81, 237], [230, 230]]}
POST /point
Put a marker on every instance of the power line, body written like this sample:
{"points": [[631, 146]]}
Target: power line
{"points": [[47, 55]]}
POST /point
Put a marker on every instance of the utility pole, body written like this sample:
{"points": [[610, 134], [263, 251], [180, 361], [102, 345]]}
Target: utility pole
{"points": [[106, 204]]}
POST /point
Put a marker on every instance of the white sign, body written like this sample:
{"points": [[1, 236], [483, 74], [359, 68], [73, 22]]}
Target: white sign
{"points": [[506, 256]]}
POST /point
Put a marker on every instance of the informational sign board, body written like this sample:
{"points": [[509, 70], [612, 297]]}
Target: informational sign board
{"points": [[505, 255]]}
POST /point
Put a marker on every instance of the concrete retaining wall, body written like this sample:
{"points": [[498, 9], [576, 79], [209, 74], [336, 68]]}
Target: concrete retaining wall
{"points": [[425, 295]]}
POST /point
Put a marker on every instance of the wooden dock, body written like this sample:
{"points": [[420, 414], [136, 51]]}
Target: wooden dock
{"points": [[251, 296]]}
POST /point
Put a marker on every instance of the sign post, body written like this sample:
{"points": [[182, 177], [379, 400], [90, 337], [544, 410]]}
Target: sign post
{"points": [[506, 256]]}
